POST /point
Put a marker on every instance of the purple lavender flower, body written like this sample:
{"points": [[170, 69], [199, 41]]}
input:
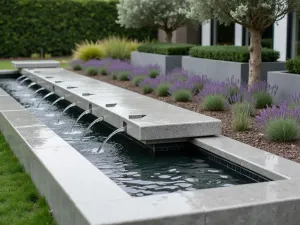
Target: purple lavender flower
{"points": [[294, 101], [119, 66], [178, 74], [76, 62], [263, 86], [139, 72], [213, 88], [180, 85], [197, 82], [93, 63]]}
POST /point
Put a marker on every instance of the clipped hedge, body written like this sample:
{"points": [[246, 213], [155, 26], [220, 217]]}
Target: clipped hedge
{"points": [[165, 48], [293, 65], [231, 53], [26, 26]]}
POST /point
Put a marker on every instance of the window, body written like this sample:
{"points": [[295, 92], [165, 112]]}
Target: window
{"points": [[296, 35], [221, 34]]}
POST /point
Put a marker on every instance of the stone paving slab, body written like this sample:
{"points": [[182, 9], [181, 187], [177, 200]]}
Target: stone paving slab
{"points": [[20, 64], [158, 120]]}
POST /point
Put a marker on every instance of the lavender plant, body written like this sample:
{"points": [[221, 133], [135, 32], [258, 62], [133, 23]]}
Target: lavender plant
{"points": [[76, 64], [213, 96], [197, 82], [181, 91], [91, 71], [123, 76], [281, 123], [263, 94], [154, 71], [146, 85], [294, 101]]}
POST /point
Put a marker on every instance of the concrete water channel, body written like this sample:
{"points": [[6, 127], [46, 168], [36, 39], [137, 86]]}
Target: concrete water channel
{"points": [[79, 193]]}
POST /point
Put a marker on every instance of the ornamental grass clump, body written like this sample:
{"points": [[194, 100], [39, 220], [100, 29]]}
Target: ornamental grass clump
{"points": [[263, 94], [233, 88], [123, 76], [181, 91], [280, 124], [76, 64], [241, 121], [162, 90], [243, 101], [88, 50], [119, 47], [213, 96]]}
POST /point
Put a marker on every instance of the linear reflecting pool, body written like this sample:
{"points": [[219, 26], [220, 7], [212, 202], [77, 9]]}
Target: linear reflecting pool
{"points": [[130, 164]]}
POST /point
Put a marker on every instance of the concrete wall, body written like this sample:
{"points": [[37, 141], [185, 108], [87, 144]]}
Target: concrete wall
{"points": [[220, 70], [288, 84]]}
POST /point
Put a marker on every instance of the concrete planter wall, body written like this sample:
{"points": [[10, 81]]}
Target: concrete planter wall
{"points": [[287, 83], [166, 62], [220, 70]]}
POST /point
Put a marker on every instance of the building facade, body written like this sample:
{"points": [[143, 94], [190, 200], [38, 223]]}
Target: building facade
{"points": [[283, 36]]}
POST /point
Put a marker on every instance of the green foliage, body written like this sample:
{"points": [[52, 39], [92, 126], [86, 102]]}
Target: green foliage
{"points": [[282, 130], [263, 99], [153, 73], [76, 67], [92, 71], [88, 50], [293, 65], [123, 76], [56, 25], [136, 80], [197, 88], [103, 71], [147, 89], [114, 76], [35, 56], [231, 53], [182, 95], [162, 90], [47, 56], [241, 121], [214, 102], [267, 43], [165, 48], [241, 107], [119, 48]]}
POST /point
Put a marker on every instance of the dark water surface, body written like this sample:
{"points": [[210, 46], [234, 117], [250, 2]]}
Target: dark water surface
{"points": [[129, 164]]}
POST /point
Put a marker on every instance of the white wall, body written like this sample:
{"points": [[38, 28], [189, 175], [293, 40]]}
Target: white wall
{"points": [[238, 35], [206, 27], [280, 37]]}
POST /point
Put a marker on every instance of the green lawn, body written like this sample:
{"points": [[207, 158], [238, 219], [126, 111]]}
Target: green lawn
{"points": [[6, 64], [20, 203]]}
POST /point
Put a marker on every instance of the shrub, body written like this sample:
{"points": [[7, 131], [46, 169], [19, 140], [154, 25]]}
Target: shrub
{"points": [[165, 48], [162, 90], [119, 48], [57, 28], [35, 56], [241, 121], [88, 50], [137, 80], [263, 94], [91, 71], [181, 91], [182, 95], [153, 73], [282, 130], [76, 67], [103, 71], [241, 107], [263, 99], [231, 53], [293, 65], [123, 76], [215, 102], [147, 89], [48, 56]]}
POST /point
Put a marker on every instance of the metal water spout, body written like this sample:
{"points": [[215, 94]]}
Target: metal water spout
{"points": [[46, 96], [65, 110], [37, 91], [91, 125], [24, 80], [121, 129], [79, 117], [20, 77], [31, 84], [56, 101]]}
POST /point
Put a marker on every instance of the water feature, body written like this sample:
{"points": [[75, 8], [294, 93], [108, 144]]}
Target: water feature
{"points": [[65, 110], [26, 79], [128, 163], [31, 84], [121, 129], [91, 125], [44, 98], [56, 101], [37, 91], [79, 117], [20, 78]]}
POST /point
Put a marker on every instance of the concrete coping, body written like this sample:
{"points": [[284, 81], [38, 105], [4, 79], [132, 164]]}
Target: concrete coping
{"points": [[9, 72], [80, 194], [20, 64]]}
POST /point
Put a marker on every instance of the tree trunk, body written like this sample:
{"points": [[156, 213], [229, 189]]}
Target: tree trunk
{"points": [[255, 57], [169, 35]]}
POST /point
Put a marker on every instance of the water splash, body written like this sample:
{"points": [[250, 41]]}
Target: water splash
{"points": [[65, 110], [24, 80], [79, 117], [91, 125], [37, 91], [121, 129], [31, 84], [20, 78], [46, 96], [56, 101]]}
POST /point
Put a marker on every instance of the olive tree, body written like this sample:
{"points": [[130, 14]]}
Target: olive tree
{"points": [[167, 15], [256, 15]]}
